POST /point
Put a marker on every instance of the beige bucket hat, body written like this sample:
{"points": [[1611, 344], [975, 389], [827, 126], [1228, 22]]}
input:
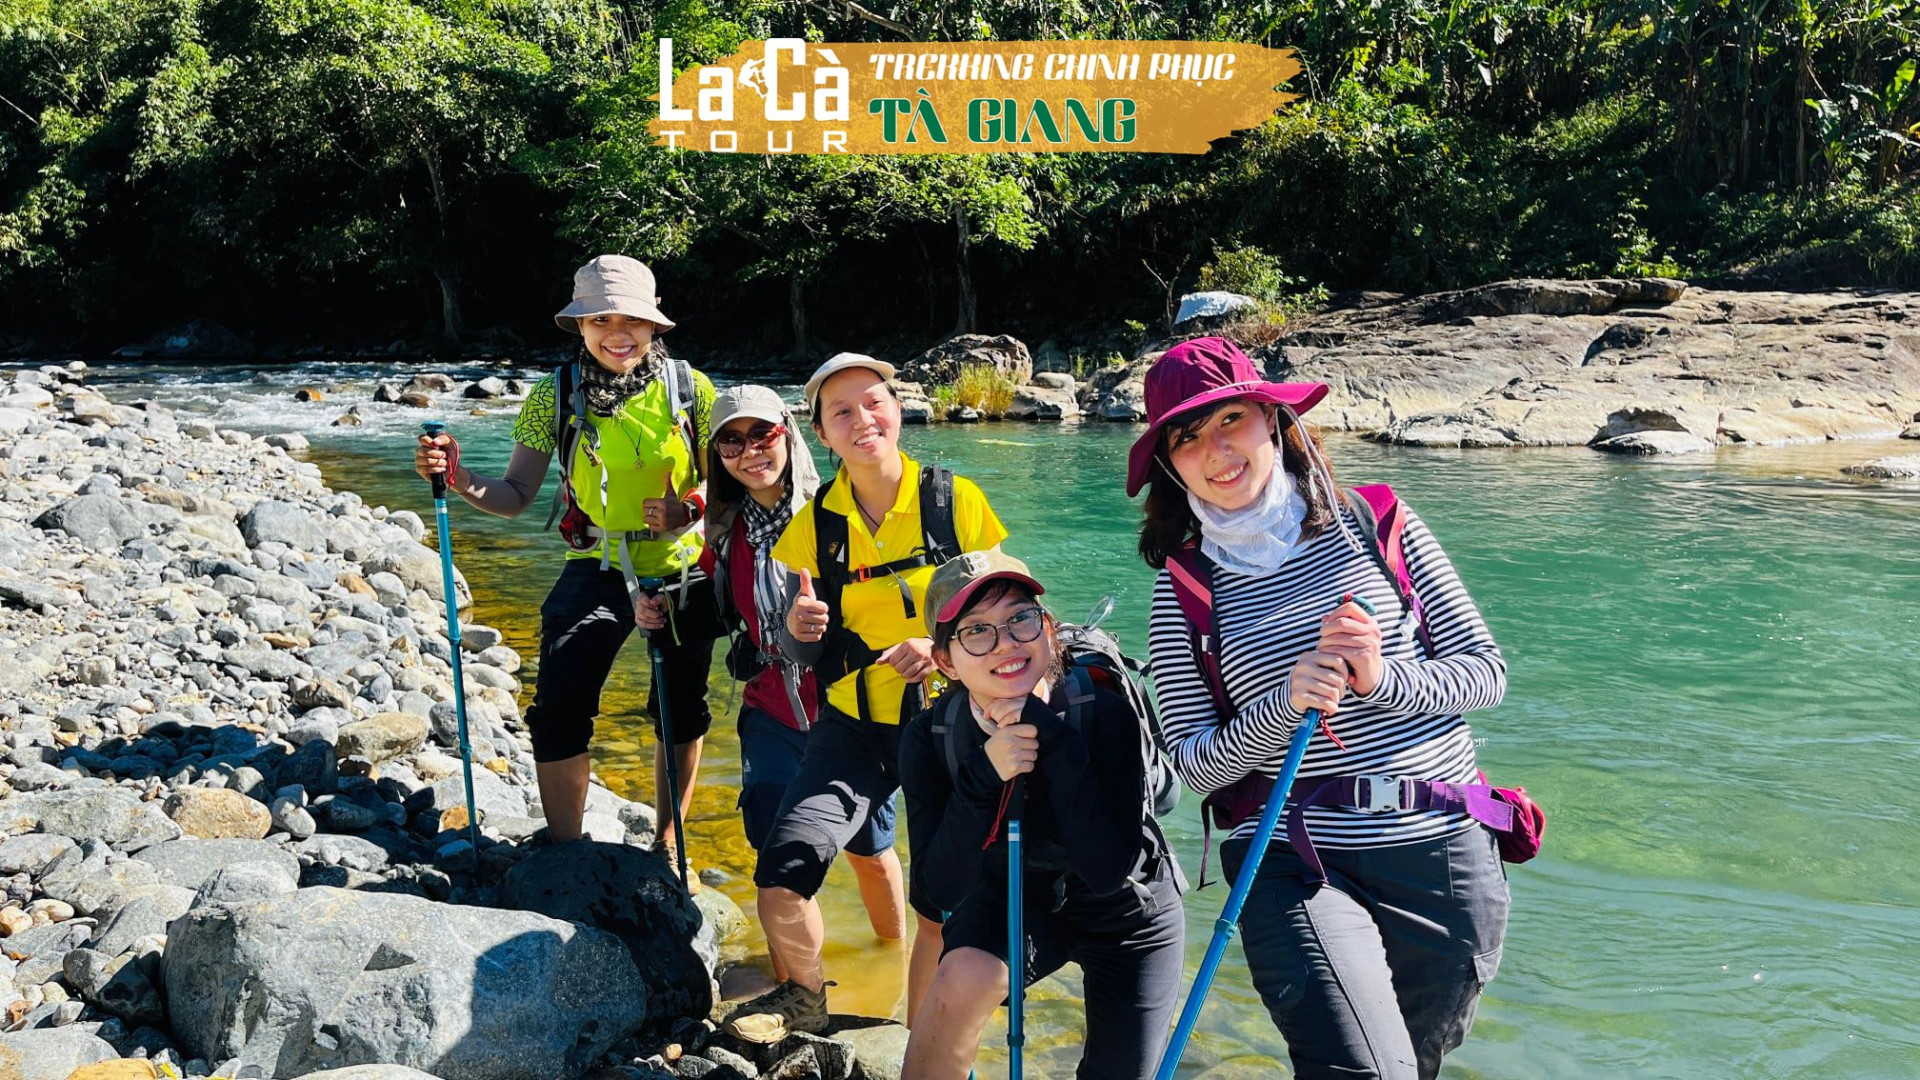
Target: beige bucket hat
{"points": [[613, 285]]}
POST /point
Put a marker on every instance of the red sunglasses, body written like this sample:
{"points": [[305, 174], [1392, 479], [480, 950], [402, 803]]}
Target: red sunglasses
{"points": [[761, 436]]}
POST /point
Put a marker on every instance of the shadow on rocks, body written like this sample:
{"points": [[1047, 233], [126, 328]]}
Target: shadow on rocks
{"points": [[635, 896]]}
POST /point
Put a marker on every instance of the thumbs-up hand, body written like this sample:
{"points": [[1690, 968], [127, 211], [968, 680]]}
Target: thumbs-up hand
{"points": [[669, 512], [807, 618]]}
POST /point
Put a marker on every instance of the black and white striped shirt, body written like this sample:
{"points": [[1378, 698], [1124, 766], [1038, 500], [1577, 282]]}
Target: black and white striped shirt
{"points": [[1410, 727]]}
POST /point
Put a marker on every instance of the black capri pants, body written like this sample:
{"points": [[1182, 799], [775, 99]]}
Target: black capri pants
{"points": [[1131, 954], [584, 622], [849, 775]]}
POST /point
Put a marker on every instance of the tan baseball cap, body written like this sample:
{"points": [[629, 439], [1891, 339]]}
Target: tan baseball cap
{"points": [[836, 364], [613, 285], [957, 579], [759, 402]]}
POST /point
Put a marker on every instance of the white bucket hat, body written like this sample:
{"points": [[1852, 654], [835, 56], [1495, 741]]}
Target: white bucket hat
{"points": [[613, 285], [836, 364]]}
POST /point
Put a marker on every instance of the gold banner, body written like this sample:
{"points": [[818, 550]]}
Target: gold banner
{"points": [[788, 96]]}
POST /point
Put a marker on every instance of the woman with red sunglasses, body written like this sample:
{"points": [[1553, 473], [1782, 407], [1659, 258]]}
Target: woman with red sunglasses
{"points": [[759, 472]]}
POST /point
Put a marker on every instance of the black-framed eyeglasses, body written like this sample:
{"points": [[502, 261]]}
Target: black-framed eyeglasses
{"points": [[980, 639], [761, 436]]}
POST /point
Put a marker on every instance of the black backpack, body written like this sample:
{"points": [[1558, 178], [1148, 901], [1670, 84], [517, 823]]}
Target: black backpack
{"points": [[846, 652], [1093, 660]]}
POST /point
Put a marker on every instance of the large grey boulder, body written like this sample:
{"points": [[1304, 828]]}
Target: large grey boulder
{"points": [[114, 815], [417, 567], [50, 1053], [1007, 356], [31, 853], [492, 796], [1043, 403], [101, 522], [636, 896], [190, 863], [97, 883], [271, 519], [328, 978]]}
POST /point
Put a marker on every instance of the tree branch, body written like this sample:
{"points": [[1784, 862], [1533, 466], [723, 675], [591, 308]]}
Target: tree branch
{"points": [[21, 111], [848, 7]]}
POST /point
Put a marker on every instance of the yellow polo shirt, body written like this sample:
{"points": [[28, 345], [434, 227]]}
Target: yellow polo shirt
{"points": [[873, 609]]}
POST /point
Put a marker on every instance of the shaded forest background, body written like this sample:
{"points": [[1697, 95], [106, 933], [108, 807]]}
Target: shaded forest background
{"points": [[351, 172]]}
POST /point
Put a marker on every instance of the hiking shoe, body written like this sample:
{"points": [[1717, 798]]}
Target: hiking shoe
{"points": [[778, 1013]]}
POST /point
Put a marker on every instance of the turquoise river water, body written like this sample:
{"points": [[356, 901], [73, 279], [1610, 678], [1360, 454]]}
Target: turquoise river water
{"points": [[1715, 691]]}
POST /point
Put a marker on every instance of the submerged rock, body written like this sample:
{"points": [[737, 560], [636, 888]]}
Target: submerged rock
{"points": [[1887, 468]]}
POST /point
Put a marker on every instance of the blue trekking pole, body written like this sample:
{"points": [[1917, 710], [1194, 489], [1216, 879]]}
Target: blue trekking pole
{"points": [[1016, 933], [434, 430], [651, 587], [1229, 920]]}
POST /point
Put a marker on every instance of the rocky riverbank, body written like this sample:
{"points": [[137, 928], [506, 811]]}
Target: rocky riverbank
{"points": [[1634, 366], [232, 830], [1643, 366]]}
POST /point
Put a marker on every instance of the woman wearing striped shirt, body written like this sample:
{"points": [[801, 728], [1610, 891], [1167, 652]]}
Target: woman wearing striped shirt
{"points": [[1370, 963]]}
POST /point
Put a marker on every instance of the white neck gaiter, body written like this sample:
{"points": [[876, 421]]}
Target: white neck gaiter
{"points": [[1258, 538]]}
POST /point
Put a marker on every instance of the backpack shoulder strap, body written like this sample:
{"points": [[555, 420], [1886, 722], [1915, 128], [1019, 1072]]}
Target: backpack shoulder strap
{"points": [[566, 432], [947, 714], [681, 391], [846, 652], [830, 547], [1079, 691], [1191, 574], [937, 528], [1382, 522]]}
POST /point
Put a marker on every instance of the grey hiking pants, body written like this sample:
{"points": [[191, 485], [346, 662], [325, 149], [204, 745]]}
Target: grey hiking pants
{"points": [[1375, 974]]}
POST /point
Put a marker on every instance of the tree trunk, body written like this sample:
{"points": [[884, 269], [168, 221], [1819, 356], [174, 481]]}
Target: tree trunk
{"points": [[797, 309], [969, 304], [928, 280], [444, 269], [450, 327], [1801, 92]]}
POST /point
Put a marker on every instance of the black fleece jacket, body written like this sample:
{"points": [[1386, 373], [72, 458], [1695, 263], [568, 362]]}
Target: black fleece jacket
{"points": [[1084, 816]]}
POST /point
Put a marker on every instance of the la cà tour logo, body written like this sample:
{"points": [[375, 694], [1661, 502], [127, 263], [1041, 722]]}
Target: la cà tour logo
{"points": [[969, 97]]}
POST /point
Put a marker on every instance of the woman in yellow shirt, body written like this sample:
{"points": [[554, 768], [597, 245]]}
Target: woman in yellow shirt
{"points": [[862, 551]]}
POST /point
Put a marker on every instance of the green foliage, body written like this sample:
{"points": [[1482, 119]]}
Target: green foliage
{"points": [[981, 387], [401, 161]]}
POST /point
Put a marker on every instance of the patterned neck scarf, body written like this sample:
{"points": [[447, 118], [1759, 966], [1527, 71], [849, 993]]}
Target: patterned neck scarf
{"points": [[764, 526], [607, 391]]}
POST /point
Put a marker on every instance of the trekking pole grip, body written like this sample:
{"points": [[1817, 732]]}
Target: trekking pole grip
{"points": [[434, 429]]}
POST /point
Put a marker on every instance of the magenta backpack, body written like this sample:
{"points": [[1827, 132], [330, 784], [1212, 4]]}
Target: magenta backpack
{"points": [[1383, 522]]}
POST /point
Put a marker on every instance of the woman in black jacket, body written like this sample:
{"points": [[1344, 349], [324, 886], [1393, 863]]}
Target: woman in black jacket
{"points": [[1100, 889]]}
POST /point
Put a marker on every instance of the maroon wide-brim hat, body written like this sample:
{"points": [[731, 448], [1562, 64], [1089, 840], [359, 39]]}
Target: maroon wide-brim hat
{"points": [[1198, 373]]}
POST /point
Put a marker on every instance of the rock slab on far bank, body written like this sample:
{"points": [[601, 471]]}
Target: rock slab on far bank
{"points": [[329, 978], [1639, 366]]}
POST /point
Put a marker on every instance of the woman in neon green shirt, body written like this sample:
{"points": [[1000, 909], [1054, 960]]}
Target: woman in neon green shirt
{"points": [[630, 426]]}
